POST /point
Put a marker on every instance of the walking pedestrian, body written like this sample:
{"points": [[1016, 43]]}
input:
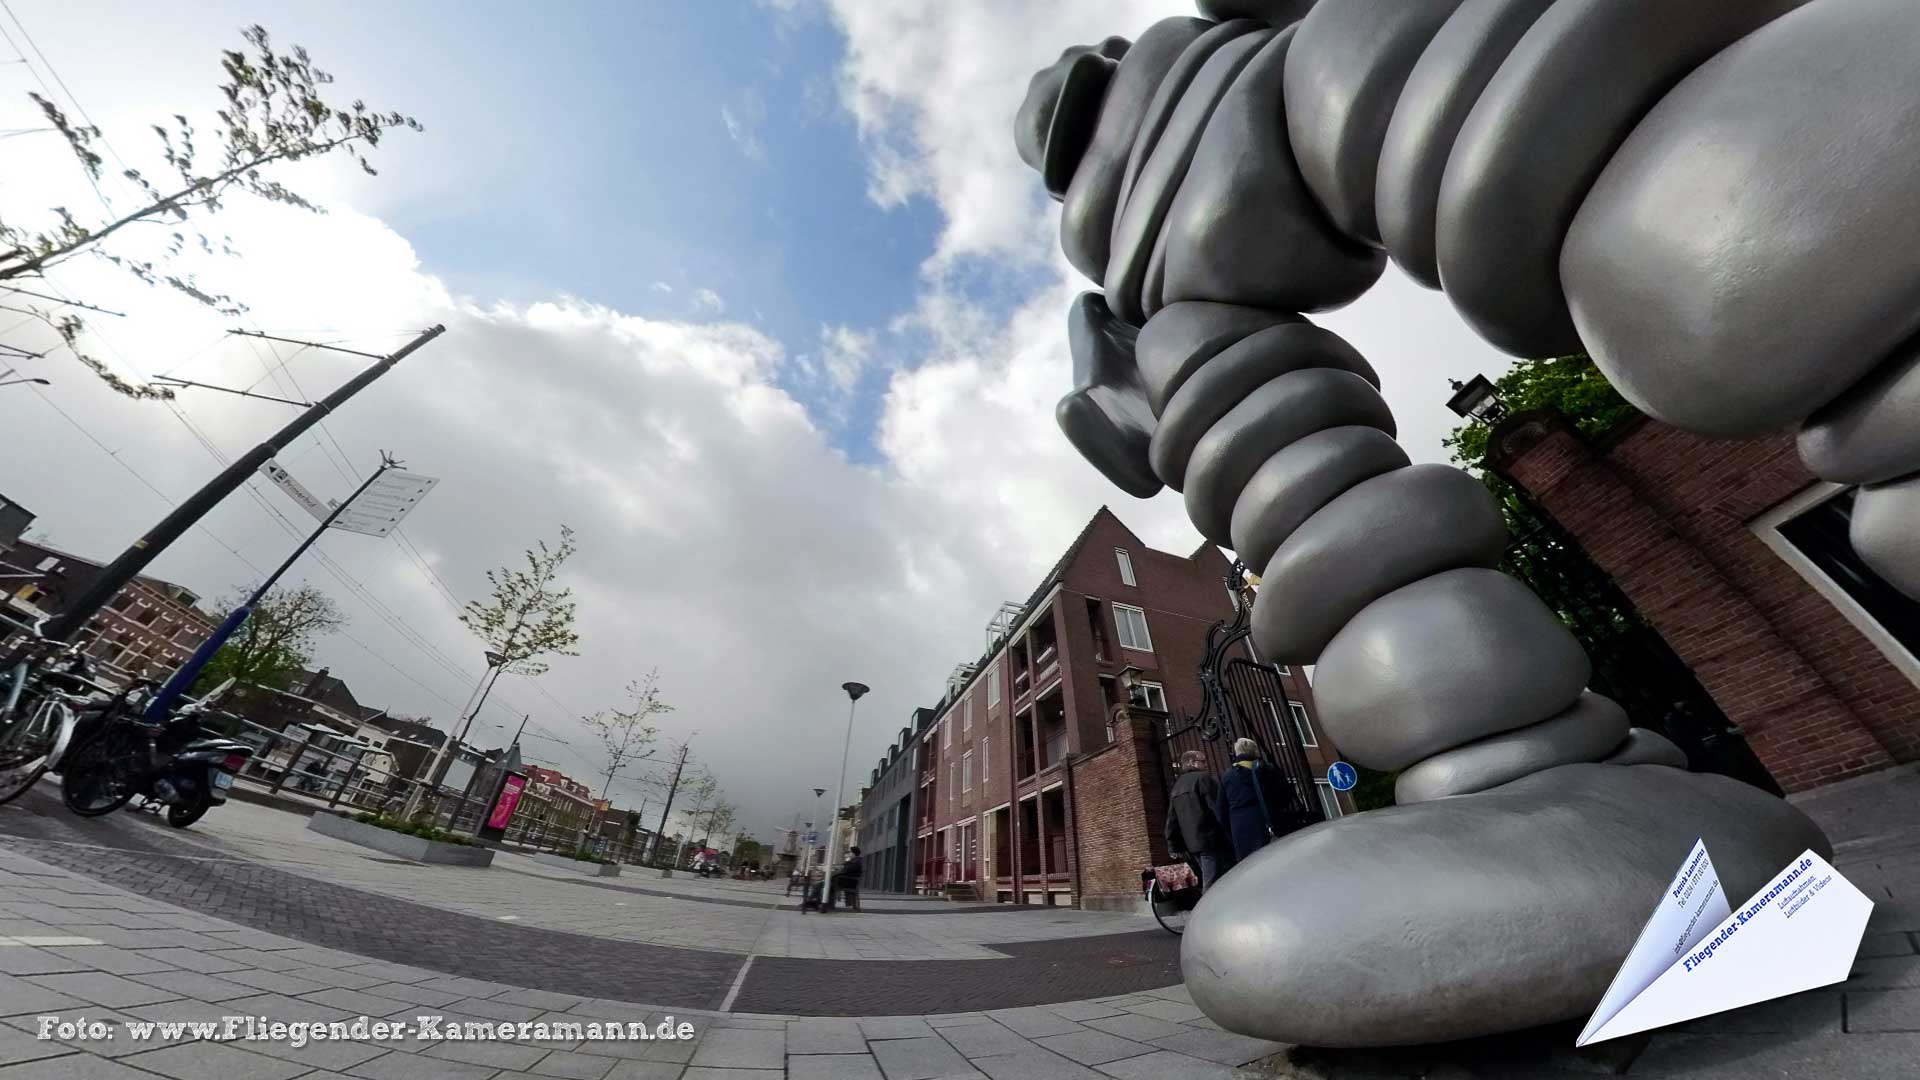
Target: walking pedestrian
{"points": [[1194, 831], [1254, 802]]}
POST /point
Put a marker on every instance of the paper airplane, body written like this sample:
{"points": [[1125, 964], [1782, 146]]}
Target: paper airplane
{"points": [[1696, 956]]}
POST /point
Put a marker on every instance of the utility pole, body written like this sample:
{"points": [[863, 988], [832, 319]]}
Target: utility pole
{"points": [[132, 561], [672, 787]]}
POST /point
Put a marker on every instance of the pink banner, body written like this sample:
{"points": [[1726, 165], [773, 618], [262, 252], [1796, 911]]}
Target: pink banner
{"points": [[509, 798]]}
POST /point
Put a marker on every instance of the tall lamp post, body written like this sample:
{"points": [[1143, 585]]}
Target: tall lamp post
{"points": [[806, 869], [854, 693], [495, 662]]}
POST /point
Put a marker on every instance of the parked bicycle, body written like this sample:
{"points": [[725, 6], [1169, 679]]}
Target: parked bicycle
{"points": [[45, 693]]}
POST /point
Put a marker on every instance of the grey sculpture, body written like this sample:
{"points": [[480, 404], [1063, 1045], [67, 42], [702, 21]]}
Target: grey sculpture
{"points": [[1713, 198]]}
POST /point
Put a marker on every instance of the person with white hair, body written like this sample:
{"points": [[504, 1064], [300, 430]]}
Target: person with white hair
{"points": [[1193, 832], [1254, 802]]}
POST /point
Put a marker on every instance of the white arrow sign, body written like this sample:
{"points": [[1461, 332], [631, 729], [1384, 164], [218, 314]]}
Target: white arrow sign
{"points": [[385, 503], [297, 491]]}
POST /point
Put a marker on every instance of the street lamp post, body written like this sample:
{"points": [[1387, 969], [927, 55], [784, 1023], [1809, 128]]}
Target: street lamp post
{"points": [[806, 868], [854, 693], [495, 662]]}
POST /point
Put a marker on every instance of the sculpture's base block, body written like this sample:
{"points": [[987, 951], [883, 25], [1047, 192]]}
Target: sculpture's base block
{"points": [[1472, 915]]}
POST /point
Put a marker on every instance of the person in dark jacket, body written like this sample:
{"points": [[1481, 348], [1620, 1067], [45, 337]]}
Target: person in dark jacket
{"points": [[846, 883], [1192, 831], [1254, 801]]}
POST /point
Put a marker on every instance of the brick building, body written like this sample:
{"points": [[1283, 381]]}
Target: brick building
{"points": [[1739, 557], [147, 631], [1030, 781]]}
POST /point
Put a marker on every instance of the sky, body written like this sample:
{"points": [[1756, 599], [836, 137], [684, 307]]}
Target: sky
{"points": [[754, 295]]}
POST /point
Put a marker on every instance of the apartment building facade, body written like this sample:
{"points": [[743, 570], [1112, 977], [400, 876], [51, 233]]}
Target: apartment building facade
{"points": [[1041, 776], [146, 631]]}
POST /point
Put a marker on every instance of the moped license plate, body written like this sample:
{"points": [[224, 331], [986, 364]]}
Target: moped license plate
{"points": [[222, 780]]}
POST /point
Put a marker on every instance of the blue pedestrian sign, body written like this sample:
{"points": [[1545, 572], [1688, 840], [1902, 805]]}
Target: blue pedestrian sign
{"points": [[1342, 776]]}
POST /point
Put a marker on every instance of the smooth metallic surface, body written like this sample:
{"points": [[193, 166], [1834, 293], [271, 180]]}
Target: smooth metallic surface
{"points": [[1181, 337], [1106, 416], [1458, 917], [1568, 94], [1453, 658], [1299, 480], [1237, 371], [1261, 425], [1086, 214], [1870, 433], [1144, 203], [1749, 252], [1343, 81], [1587, 730], [1410, 523], [1244, 228], [1644, 746], [1057, 117], [1886, 531], [1457, 64]]}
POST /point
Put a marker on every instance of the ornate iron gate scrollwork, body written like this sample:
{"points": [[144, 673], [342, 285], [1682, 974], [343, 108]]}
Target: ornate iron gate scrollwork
{"points": [[1241, 698]]}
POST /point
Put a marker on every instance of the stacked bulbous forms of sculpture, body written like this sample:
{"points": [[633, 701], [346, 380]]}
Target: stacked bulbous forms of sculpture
{"points": [[1712, 198]]}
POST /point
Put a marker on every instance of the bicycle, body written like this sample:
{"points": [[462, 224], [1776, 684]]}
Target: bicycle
{"points": [[40, 711], [1171, 893]]}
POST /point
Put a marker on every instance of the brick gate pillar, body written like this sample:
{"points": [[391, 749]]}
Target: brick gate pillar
{"points": [[1120, 808], [1794, 719]]}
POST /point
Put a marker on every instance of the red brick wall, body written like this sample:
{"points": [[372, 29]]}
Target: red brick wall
{"points": [[1119, 808], [1669, 514]]}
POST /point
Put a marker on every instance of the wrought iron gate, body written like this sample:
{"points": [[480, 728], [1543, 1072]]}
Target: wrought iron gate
{"points": [[1242, 699]]}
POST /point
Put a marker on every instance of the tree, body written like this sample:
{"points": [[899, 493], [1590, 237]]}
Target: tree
{"points": [[1572, 385], [276, 112], [747, 850], [275, 641], [627, 733], [528, 616]]}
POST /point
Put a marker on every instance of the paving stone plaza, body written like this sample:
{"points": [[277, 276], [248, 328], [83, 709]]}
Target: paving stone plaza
{"points": [[122, 921]]}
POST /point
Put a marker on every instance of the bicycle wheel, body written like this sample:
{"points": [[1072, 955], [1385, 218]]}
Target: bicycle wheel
{"points": [[28, 746], [91, 783], [1169, 914]]}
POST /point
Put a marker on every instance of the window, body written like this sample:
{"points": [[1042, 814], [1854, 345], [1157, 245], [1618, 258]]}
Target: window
{"points": [[1150, 695], [986, 758], [122, 602], [946, 735], [146, 617], [966, 771], [1819, 535], [993, 684], [1132, 623], [1329, 799], [966, 713], [953, 781], [1301, 724], [1126, 566]]}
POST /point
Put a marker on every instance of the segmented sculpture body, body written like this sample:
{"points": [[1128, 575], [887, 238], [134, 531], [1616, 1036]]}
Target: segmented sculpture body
{"points": [[1712, 198]]}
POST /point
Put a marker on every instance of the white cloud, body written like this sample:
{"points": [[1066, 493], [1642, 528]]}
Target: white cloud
{"points": [[708, 302], [743, 117], [662, 287], [722, 537]]}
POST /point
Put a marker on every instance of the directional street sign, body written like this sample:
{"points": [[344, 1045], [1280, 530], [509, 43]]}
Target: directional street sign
{"points": [[385, 503], [295, 490]]}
